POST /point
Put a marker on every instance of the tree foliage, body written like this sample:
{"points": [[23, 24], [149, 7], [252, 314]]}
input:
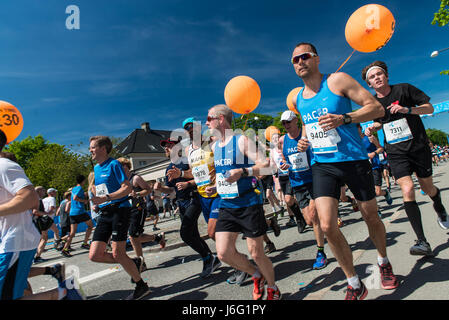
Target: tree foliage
{"points": [[49, 164], [441, 17], [437, 136]]}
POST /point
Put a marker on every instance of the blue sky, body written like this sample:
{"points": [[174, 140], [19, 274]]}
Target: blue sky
{"points": [[162, 61]]}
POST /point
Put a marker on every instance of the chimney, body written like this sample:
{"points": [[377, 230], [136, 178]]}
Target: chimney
{"points": [[145, 126]]}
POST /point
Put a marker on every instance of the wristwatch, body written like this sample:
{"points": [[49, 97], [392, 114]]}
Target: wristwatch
{"points": [[244, 172], [347, 118]]}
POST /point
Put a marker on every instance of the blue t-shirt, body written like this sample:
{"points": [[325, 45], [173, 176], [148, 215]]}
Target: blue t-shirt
{"points": [[338, 145], [109, 177], [76, 207], [371, 147]]}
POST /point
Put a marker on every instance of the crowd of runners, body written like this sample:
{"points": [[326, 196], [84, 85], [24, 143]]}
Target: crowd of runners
{"points": [[226, 176]]}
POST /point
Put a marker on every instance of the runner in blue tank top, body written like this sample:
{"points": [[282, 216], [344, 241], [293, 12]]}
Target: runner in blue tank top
{"points": [[236, 164], [339, 158], [374, 149], [298, 165]]}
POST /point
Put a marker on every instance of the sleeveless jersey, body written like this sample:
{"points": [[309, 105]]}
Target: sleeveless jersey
{"points": [[239, 194], [203, 169], [299, 171], [336, 145]]}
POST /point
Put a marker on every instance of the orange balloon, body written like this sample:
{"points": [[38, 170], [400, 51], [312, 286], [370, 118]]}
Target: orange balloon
{"points": [[290, 96], [369, 28], [11, 121], [242, 94], [270, 131]]}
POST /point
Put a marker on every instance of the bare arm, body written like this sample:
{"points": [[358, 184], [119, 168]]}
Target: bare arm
{"points": [[145, 186], [25, 199], [344, 85]]}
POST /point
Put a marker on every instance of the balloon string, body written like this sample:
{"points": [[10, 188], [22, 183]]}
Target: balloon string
{"points": [[246, 121], [345, 61]]}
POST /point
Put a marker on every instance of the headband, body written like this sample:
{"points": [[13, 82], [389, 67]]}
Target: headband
{"points": [[372, 68]]}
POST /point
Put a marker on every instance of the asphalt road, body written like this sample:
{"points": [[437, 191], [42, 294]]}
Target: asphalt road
{"points": [[173, 274]]}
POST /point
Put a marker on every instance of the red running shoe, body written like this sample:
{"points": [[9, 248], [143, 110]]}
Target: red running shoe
{"points": [[259, 288], [356, 294], [388, 279], [273, 294]]}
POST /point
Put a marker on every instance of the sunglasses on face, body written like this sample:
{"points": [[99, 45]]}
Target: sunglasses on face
{"points": [[303, 56], [209, 119]]}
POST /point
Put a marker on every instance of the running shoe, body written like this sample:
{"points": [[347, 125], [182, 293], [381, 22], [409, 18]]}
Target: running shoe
{"points": [[66, 253], [209, 266], [421, 248], [237, 277], [39, 260], [301, 224], [269, 248], [291, 223], [155, 228], [259, 288], [388, 279], [216, 264], [443, 221], [85, 246], [57, 271], [388, 198], [74, 290], [60, 246], [321, 261], [162, 241], [340, 222], [139, 292], [356, 294], [281, 213], [275, 226], [273, 294], [56, 244]]}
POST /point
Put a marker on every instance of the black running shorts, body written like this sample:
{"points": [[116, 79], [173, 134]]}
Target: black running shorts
{"points": [[79, 218], [250, 221], [137, 222], [267, 182], [403, 165], [303, 195], [377, 174], [115, 223], [286, 187], [328, 178]]}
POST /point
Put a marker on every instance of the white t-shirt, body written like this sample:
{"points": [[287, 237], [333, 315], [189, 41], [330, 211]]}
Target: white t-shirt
{"points": [[49, 202], [17, 231]]}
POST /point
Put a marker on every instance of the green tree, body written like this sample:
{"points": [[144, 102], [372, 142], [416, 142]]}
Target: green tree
{"points": [[441, 17], [25, 149], [437, 136], [261, 122], [57, 167]]}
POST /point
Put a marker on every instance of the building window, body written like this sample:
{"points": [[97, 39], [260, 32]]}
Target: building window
{"points": [[142, 163]]}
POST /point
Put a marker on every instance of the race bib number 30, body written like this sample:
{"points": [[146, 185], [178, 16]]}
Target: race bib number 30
{"points": [[322, 141], [225, 189], [397, 131]]}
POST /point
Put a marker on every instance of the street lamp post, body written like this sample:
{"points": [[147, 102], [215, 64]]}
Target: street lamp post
{"points": [[436, 53]]}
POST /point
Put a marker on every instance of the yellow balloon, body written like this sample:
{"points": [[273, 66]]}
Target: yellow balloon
{"points": [[242, 94], [369, 28]]}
